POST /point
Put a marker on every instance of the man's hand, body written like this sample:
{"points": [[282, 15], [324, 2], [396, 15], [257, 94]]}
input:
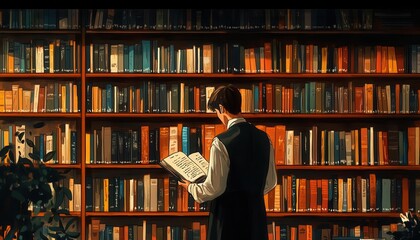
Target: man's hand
{"points": [[184, 184]]}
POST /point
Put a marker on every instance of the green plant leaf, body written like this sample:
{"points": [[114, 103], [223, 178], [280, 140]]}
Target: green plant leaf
{"points": [[73, 234], [54, 235], [67, 192], [4, 151], [70, 222], [23, 229], [39, 124], [56, 228], [49, 156], [35, 156], [24, 160], [16, 194], [59, 197], [30, 143], [20, 136], [43, 237], [63, 211]]}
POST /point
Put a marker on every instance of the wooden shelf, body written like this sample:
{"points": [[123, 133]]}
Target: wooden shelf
{"points": [[39, 115], [256, 115], [336, 76], [56, 76], [367, 215]]}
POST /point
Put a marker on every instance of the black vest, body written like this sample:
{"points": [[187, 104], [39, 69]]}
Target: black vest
{"points": [[239, 213]]}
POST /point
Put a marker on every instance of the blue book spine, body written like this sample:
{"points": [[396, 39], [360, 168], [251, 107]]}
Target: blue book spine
{"points": [[146, 56], [109, 98], [186, 140], [131, 58]]}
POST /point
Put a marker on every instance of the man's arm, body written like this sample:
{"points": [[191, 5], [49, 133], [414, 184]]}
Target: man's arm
{"points": [[215, 183]]}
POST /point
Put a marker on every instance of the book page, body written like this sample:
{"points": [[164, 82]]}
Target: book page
{"points": [[184, 166], [200, 160]]}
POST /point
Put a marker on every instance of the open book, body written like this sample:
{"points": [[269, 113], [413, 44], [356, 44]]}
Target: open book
{"points": [[192, 168]]}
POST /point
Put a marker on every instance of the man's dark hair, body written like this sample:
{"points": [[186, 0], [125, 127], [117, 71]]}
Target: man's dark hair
{"points": [[227, 96]]}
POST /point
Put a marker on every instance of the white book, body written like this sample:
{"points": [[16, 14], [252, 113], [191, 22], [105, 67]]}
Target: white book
{"points": [[192, 168], [364, 196], [77, 198], [20, 139], [173, 139], [153, 194], [39, 59], [289, 147], [49, 147], [209, 91], [132, 206], [114, 58], [36, 97], [146, 180]]}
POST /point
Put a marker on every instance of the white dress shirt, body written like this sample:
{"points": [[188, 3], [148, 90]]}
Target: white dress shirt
{"points": [[215, 183]]}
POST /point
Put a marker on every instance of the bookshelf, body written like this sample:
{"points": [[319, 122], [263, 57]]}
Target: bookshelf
{"points": [[336, 89], [40, 90]]}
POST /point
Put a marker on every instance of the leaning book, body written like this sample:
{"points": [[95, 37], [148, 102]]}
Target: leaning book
{"points": [[192, 168]]}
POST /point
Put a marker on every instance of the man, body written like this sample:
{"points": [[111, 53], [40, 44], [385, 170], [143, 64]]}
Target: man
{"points": [[241, 171]]}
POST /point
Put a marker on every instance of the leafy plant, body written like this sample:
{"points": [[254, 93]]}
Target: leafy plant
{"points": [[411, 229], [30, 182]]}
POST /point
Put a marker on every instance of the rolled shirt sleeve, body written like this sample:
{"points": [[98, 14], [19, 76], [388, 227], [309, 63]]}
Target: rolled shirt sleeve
{"points": [[215, 183]]}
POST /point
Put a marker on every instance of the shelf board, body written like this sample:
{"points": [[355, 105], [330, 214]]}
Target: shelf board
{"points": [[64, 166], [72, 214], [40, 31], [278, 167], [240, 76], [349, 168], [123, 166], [147, 214], [369, 215], [334, 32], [40, 75], [39, 115], [257, 115]]}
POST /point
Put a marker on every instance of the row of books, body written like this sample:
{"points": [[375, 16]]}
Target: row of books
{"points": [[51, 97], [328, 97], [362, 193], [39, 56], [73, 184], [230, 19], [287, 231], [148, 97], [371, 193], [99, 229], [39, 19], [146, 144], [145, 193], [263, 97], [275, 56], [147, 230], [365, 146], [60, 139]]}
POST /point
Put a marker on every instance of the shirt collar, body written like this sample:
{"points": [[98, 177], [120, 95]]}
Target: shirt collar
{"points": [[234, 121]]}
